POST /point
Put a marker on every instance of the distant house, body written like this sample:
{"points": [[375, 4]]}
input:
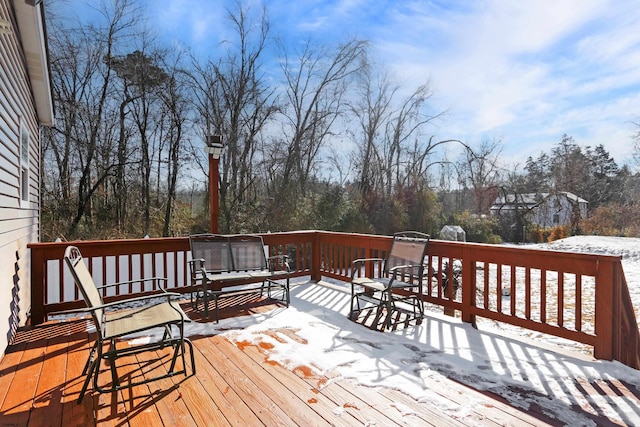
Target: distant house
{"points": [[543, 209], [25, 105]]}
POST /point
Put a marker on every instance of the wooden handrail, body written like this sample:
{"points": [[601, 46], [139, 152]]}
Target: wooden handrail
{"points": [[581, 297]]}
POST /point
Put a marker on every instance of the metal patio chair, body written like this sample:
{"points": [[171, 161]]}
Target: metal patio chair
{"points": [[116, 320], [402, 270]]}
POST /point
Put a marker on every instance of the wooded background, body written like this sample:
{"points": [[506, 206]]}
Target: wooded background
{"points": [[317, 137]]}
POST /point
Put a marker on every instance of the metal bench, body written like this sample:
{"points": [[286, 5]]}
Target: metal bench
{"points": [[220, 262]]}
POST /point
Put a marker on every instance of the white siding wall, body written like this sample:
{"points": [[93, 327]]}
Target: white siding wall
{"points": [[555, 210], [19, 220]]}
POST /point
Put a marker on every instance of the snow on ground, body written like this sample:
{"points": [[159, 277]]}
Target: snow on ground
{"points": [[314, 332], [626, 247]]}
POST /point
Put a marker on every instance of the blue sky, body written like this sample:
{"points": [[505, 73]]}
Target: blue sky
{"points": [[523, 72]]}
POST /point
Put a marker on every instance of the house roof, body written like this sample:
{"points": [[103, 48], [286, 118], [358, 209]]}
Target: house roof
{"points": [[531, 199], [33, 36]]}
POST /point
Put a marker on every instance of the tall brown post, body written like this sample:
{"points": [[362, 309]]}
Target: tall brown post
{"points": [[214, 194], [214, 149]]}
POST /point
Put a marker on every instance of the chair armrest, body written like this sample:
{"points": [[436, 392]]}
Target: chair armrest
{"points": [[136, 299], [394, 271], [363, 260], [284, 258], [356, 262], [195, 261], [400, 267], [196, 264]]}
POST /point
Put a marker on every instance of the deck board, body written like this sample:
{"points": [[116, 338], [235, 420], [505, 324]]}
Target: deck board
{"points": [[251, 394], [235, 384], [48, 404], [283, 397], [232, 406], [21, 393], [74, 414], [305, 391]]}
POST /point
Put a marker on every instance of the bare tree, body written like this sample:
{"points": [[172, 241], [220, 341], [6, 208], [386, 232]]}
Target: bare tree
{"points": [[393, 154], [372, 110], [316, 82], [234, 99], [481, 172], [82, 77], [636, 143], [143, 83], [174, 118]]}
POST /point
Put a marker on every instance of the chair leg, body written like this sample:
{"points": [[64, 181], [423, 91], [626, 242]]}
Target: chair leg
{"points": [[90, 359], [205, 299], [288, 292], [112, 355], [387, 294], [178, 344], [215, 297], [177, 348], [193, 357], [96, 370], [90, 367], [351, 311]]}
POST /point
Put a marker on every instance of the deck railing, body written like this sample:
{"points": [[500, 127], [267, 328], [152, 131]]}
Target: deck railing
{"points": [[580, 297]]}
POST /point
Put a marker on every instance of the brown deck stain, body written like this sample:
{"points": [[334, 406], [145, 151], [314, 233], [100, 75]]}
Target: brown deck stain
{"points": [[242, 345], [304, 370], [265, 345]]}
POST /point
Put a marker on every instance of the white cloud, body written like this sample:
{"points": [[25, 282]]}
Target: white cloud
{"points": [[512, 64], [522, 71], [199, 25]]}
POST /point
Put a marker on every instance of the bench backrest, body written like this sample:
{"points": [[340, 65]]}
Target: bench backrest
{"points": [[213, 249], [247, 253], [84, 281], [408, 248], [222, 253]]}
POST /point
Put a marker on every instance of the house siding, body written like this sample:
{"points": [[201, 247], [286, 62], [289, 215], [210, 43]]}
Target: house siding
{"points": [[553, 211], [19, 220], [543, 209]]}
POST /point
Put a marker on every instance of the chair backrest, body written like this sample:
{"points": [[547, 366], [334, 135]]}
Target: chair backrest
{"points": [[248, 253], [228, 253], [408, 248], [214, 250], [84, 282]]}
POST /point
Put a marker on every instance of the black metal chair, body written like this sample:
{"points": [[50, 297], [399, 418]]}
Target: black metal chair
{"points": [[138, 315], [402, 270]]}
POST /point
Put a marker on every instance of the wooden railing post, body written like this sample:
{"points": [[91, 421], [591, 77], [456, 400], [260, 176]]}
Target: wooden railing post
{"points": [[316, 274], [628, 348], [607, 292], [468, 286], [370, 267], [37, 286]]}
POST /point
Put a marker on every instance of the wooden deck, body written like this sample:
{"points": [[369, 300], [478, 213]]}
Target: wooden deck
{"points": [[235, 384]]}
